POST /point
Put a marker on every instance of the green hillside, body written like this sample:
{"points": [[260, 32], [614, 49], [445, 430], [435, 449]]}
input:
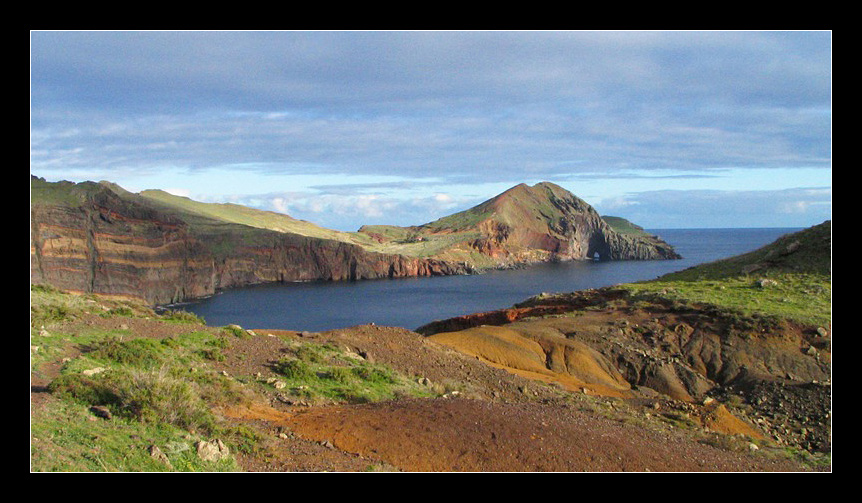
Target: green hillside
{"points": [[790, 278], [522, 225], [197, 212], [623, 226]]}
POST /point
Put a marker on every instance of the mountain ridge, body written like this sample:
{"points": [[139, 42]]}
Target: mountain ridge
{"points": [[100, 238]]}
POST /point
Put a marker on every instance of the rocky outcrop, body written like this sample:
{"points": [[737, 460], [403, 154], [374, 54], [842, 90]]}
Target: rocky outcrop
{"points": [[611, 345], [89, 238], [537, 224], [291, 257], [571, 229]]}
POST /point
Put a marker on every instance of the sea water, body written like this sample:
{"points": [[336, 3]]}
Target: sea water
{"points": [[413, 302]]}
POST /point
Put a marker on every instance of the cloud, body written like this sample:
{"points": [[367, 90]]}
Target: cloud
{"points": [[179, 192], [329, 210], [796, 207], [348, 211], [462, 108]]}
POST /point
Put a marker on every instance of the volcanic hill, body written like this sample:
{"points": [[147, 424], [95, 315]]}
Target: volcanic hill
{"points": [[524, 225], [99, 238]]}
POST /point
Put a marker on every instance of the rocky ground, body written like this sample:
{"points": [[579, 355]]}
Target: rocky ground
{"points": [[495, 421]]}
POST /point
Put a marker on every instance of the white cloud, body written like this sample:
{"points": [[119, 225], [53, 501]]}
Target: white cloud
{"points": [[179, 192], [280, 205], [799, 207]]}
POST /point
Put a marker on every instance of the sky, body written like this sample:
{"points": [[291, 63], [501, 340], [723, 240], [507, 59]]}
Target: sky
{"points": [[669, 129]]}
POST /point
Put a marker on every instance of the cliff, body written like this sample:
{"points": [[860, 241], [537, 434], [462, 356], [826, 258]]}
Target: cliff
{"points": [[525, 225], [97, 238]]}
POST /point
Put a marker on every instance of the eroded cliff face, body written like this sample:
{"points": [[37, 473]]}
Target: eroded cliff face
{"points": [[107, 246], [290, 257], [605, 342], [546, 222], [97, 241], [96, 237]]}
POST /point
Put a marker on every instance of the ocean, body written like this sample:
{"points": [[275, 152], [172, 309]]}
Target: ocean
{"points": [[413, 302]]}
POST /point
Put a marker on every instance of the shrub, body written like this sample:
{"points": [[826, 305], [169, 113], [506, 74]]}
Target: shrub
{"points": [[90, 390], [119, 311], [341, 375], [182, 317], [158, 397], [375, 375], [294, 369], [312, 353], [150, 396], [236, 331], [213, 354], [146, 353]]}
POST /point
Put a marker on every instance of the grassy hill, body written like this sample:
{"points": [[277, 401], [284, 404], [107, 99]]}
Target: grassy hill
{"points": [[522, 225], [200, 213], [623, 226], [791, 278]]}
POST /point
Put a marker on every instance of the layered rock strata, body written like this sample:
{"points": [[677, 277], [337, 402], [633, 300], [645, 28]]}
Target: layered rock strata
{"points": [[98, 238], [94, 240]]}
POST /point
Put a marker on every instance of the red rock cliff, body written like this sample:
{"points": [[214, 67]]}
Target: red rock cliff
{"points": [[90, 239]]}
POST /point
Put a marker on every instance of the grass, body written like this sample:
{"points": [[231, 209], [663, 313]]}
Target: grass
{"points": [[66, 438], [623, 226], [65, 194], [49, 306], [799, 297], [324, 373], [790, 278], [159, 391]]}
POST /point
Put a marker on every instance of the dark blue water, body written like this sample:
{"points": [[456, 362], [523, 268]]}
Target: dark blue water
{"points": [[412, 302]]}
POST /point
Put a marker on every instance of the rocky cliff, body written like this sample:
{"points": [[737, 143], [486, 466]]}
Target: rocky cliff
{"points": [[97, 238], [525, 225]]}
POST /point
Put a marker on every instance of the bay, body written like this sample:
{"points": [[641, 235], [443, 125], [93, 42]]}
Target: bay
{"points": [[413, 302]]}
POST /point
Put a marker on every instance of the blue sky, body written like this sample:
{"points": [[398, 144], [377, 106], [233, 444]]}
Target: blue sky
{"points": [[342, 128]]}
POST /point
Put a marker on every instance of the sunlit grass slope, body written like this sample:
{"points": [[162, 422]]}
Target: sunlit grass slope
{"points": [[189, 209], [790, 278]]}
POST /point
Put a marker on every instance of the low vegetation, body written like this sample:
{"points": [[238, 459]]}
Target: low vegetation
{"points": [[623, 226], [790, 278], [156, 391], [322, 372], [160, 391]]}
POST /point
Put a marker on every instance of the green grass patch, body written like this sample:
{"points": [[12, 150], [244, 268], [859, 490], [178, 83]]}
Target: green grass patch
{"points": [[159, 391], [325, 373], [623, 226], [180, 316], [65, 438], [50, 306], [66, 194], [790, 278], [805, 298]]}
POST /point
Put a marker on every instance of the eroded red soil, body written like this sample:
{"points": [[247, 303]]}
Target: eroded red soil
{"points": [[501, 421]]}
